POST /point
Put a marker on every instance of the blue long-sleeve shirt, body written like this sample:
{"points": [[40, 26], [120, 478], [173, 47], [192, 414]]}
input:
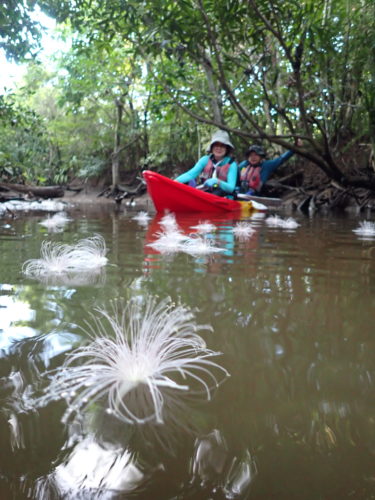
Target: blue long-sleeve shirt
{"points": [[228, 186], [267, 167]]}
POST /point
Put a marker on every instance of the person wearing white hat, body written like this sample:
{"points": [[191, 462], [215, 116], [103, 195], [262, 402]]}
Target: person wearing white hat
{"points": [[217, 171]]}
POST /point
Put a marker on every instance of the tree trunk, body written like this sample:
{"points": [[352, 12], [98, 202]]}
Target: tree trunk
{"points": [[117, 141], [214, 93]]}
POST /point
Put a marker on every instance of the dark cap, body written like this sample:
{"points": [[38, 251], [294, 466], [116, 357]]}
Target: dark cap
{"points": [[256, 149]]}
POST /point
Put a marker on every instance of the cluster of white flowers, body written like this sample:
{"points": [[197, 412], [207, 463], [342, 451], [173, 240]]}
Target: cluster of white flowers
{"points": [[58, 259], [172, 239], [276, 221], [33, 206]]}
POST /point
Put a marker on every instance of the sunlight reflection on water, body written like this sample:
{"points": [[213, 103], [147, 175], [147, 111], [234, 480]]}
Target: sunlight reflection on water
{"points": [[13, 313]]}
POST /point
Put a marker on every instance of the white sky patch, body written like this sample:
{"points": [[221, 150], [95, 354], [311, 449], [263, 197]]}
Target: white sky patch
{"points": [[11, 73]]}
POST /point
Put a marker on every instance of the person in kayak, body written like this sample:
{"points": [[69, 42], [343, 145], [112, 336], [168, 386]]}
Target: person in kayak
{"points": [[255, 170], [217, 171]]}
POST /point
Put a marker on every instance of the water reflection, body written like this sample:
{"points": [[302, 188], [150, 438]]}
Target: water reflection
{"points": [[216, 470], [102, 457], [173, 238], [95, 467], [135, 351], [92, 277], [204, 237], [14, 316], [292, 313]]}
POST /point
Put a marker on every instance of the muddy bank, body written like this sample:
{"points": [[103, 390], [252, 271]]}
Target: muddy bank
{"points": [[93, 198]]}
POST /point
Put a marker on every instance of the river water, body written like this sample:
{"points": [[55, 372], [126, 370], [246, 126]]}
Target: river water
{"points": [[292, 314]]}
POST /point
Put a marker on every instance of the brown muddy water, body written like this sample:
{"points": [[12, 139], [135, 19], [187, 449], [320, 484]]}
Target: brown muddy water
{"points": [[291, 311]]}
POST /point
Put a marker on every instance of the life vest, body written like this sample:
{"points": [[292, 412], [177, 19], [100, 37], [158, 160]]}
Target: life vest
{"points": [[221, 171], [251, 176]]}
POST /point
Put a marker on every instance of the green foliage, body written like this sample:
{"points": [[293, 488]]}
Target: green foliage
{"points": [[89, 167], [26, 151], [264, 70], [19, 33]]}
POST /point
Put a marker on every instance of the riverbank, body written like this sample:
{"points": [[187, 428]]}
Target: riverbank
{"points": [[93, 197]]}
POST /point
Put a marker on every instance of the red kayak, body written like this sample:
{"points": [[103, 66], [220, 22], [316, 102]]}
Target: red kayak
{"points": [[172, 196]]}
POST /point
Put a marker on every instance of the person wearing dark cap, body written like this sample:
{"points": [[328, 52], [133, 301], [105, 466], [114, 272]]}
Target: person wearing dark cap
{"points": [[255, 170], [217, 171]]}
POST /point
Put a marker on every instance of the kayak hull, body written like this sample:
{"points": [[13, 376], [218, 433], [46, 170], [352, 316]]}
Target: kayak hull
{"points": [[172, 196]]}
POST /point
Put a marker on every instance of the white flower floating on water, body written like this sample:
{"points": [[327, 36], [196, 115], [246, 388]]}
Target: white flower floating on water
{"points": [[365, 228], [142, 217], [168, 222], [169, 241], [90, 253], [204, 227], [193, 245], [243, 230], [174, 240], [57, 259], [135, 346], [27, 206], [200, 245], [276, 221], [56, 222]]}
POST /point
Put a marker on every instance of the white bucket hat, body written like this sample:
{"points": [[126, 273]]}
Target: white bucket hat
{"points": [[220, 136]]}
